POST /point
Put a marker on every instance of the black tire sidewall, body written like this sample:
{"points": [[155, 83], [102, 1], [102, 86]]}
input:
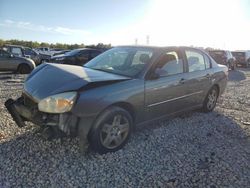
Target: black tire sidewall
{"points": [[24, 69], [94, 138]]}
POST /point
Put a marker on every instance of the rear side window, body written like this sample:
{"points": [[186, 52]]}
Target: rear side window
{"points": [[195, 60]]}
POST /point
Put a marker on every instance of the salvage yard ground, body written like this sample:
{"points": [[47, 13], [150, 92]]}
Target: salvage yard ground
{"points": [[192, 150]]}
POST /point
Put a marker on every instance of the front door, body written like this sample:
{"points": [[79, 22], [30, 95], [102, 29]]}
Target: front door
{"points": [[166, 94]]}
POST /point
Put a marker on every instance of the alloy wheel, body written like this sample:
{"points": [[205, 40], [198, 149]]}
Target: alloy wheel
{"points": [[212, 99], [115, 131]]}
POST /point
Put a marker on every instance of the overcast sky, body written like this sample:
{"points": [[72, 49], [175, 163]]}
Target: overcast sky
{"points": [[215, 23]]}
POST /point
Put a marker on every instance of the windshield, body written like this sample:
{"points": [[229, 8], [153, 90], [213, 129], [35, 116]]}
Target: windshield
{"points": [[73, 52], [123, 61]]}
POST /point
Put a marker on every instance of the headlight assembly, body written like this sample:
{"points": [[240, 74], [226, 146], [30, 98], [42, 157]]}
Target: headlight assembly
{"points": [[59, 103]]}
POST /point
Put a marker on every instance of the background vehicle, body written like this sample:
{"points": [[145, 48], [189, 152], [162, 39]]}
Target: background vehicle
{"points": [[103, 101], [61, 52], [21, 51], [223, 57], [76, 57], [16, 50], [9, 62], [242, 58]]}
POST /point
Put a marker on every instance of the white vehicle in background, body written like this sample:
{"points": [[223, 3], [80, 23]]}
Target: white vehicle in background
{"points": [[242, 58], [46, 53]]}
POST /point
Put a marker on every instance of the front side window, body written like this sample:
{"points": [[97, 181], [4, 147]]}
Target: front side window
{"points": [[123, 61], [169, 64], [17, 51], [195, 60]]}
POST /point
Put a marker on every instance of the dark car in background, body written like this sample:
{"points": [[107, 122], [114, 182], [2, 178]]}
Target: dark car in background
{"points": [[9, 62], [223, 57], [105, 99], [76, 57], [242, 58]]}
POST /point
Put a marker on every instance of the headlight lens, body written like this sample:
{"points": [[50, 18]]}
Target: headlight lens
{"points": [[59, 103]]}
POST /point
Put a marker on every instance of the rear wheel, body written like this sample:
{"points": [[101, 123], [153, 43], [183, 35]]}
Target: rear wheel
{"points": [[111, 130], [211, 99], [24, 69]]}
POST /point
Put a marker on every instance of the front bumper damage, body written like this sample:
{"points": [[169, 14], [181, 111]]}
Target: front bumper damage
{"points": [[25, 109]]}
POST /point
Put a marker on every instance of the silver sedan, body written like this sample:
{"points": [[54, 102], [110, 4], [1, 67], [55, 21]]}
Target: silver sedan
{"points": [[9, 62]]}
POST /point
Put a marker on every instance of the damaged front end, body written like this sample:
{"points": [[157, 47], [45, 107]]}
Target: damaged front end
{"points": [[26, 109]]}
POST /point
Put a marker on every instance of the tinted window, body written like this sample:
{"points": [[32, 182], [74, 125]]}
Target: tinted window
{"points": [[73, 52], [169, 64], [195, 61], [84, 54], [94, 54]]}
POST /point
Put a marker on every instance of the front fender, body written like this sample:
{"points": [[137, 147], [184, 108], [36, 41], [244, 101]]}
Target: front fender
{"points": [[92, 102]]}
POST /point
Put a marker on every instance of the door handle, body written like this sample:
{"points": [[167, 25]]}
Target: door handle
{"points": [[182, 81]]}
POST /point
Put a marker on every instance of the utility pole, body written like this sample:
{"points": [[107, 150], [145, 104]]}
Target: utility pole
{"points": [[136, 41], [147, 40]]}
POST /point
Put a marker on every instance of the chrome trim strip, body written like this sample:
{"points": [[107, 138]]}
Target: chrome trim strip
{"points": [[155, 104]]}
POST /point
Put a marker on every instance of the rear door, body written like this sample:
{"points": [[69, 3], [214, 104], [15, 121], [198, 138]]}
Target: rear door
{"points": [[199, 79], [167, 93]]}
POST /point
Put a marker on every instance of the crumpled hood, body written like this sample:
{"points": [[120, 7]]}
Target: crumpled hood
{"points": [[49, 79]]}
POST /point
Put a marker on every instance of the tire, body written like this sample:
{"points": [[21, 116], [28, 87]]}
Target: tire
{"points": [[210, 100], [111, 130], [24, 69]]}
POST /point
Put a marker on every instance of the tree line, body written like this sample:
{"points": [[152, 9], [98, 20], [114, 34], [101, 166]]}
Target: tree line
{"points": [[34, 44]]}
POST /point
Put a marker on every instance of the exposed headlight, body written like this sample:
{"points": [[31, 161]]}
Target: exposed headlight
{"points": [[60, 58], [59, 103]]}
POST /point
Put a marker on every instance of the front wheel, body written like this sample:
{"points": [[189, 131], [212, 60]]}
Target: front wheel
{"points": [[211, 99], [111, 130], [24, 69]]}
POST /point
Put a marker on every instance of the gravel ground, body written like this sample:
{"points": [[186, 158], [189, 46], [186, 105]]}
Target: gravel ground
{"points": [[193, 150]]}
